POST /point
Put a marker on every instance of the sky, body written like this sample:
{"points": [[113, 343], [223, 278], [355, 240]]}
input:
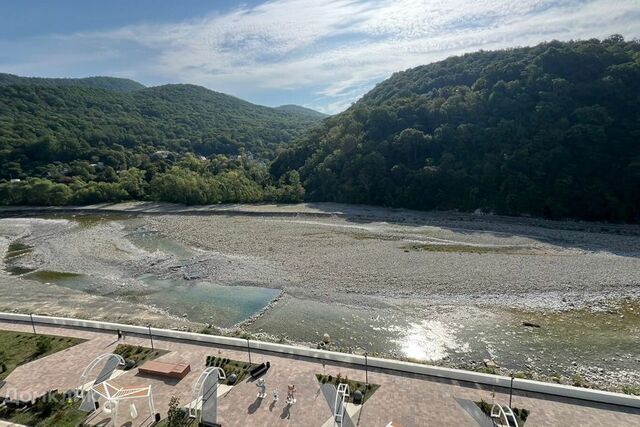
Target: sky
{"points": [[322, 54]]}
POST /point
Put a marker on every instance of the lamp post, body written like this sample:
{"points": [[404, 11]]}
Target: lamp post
{"points": [[33, 325], [249, 350], [511, 391], [366, 368], [150, 336]]}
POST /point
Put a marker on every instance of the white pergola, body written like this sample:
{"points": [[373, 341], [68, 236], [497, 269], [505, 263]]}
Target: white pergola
{"points": [[84, 385], [339, 405], [503, 416], [113, 395], [216, 374]]}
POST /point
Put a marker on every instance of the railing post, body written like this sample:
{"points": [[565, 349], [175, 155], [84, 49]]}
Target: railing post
{"points": [[33, 325], [511, 391], [150, 337], [366, 369]]}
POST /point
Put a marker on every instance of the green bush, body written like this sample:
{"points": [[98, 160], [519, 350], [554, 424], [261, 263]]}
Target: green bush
{"points": [[43, 345]]}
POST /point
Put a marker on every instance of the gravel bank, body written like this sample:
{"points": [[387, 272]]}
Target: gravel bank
{"points": [[454, 261]]}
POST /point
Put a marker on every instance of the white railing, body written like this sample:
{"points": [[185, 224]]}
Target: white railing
{"points": [[371, 362]]}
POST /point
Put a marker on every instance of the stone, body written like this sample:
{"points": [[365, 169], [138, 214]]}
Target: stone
{"points": [[326, 338], [357, 397], [489, 363]]}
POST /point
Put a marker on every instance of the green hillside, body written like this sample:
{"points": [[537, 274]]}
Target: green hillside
{"points": [[94, 139], [302, 111], [551, 130], [99, 82]]}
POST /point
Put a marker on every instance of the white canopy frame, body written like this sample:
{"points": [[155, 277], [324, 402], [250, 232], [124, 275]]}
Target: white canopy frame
{"points": [[114, 395], [503, 416], [82, 387], [340, 403], [196, 393]]}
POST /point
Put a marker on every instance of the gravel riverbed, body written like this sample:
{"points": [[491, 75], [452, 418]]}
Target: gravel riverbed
{"points": [[446, 286]]}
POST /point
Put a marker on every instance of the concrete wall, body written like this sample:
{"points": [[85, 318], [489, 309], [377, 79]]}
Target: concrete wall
{"points": [[373, 362]]}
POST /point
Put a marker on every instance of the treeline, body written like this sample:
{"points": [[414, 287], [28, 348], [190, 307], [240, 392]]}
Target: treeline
{"points": [[551, 130], [42, 128], [67, 144], [111, 83], [189, 180]]}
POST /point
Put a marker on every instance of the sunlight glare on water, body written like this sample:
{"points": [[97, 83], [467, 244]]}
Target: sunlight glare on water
{"points": [[427, 340]]}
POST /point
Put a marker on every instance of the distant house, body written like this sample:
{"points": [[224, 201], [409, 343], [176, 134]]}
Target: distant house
{"points": [[162, 154], [14, 180]]}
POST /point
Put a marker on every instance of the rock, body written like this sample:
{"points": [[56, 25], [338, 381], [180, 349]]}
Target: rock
{"points": [[489, 363], [326, 338], [574, 363], [531, 325], [357, 397]]}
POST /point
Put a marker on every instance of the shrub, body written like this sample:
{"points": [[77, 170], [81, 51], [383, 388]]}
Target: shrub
{"points": [[175, 415], [43, 344]]}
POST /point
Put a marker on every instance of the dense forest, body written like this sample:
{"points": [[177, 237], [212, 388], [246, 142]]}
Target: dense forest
{"points": [[551, 130], [111, 83], [71, 144]]}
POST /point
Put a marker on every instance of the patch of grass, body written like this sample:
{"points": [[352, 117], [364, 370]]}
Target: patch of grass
{"points": [[429, 247], [52, 276], [367, 390], [137, 354], [487, 370], [51, 410], [523, 375], [629, 389], [18, 348], [210, 330], [579, 381], [521, 414], [230, 366]]}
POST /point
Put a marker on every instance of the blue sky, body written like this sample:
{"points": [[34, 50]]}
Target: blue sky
{"points": [[316, 53]]}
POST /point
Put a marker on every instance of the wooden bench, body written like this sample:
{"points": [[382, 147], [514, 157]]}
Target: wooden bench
{"points": [[163, 369]]}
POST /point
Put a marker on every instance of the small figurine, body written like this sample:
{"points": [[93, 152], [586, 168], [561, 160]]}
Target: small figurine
{"points": [[291, 399], [262, 388]]}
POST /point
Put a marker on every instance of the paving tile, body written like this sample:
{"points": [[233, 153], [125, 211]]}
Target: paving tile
{"points": [[410, 400]]}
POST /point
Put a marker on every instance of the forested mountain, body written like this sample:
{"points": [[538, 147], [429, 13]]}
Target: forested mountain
{"points": [[303, 111], [110, 83], [88, 143], [551, 130]]}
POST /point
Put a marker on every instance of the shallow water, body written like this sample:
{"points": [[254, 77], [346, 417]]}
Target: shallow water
{"points": [[201, 301], [375, 330], [205, 302]]}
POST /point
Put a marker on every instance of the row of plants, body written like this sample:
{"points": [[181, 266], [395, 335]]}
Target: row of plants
{"points": [[520, 413], [231, 367], [136, 355], [367, 390]]}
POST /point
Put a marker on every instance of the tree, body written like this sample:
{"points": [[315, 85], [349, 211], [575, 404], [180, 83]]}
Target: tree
{"points": [[175, 415]]}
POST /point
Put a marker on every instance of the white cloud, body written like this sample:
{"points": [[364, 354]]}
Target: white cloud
{"points": [[337, 49]]}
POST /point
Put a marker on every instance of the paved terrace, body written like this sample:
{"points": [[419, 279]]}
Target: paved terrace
{"points": [[409, 400]]}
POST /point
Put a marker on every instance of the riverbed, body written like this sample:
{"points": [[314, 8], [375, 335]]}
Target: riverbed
{"points": [[448, 289]]}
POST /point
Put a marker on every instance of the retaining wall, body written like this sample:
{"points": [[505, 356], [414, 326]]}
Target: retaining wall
{"points": [[374, 362]]}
